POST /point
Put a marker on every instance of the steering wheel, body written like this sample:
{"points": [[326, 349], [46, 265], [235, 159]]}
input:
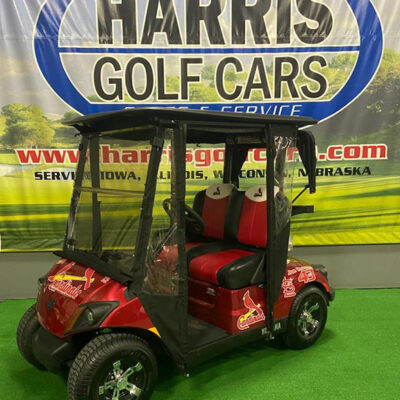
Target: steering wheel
{"points": [[194, 222]]}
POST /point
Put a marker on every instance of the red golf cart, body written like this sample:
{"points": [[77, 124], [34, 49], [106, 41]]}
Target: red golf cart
{"points": [[142, 271]]}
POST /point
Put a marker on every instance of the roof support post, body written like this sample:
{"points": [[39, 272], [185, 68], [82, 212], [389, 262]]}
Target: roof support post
{"points": [[178, 203], [271, 153], [95, 175], [146, 217], [76, 194], [227, 177]]}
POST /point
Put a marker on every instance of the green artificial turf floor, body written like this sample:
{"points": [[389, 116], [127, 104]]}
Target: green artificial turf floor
{"points": [[357, 357]]}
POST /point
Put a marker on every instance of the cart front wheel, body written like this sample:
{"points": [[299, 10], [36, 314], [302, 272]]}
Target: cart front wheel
{"points": [[27, 328], [307, 318], [113, 367]]}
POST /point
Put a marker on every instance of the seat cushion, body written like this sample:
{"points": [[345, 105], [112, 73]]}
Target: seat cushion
{"points": [[197, 249], [244, 271], [229, 268], [191, 245]]}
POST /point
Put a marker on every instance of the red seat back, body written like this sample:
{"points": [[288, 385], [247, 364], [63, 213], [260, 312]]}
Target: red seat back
{"points": [[252, 229], [212, 205]]}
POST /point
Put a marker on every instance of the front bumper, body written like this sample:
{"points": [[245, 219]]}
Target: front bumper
{"points": [[51, 351], [331, 294], [321, 268]]}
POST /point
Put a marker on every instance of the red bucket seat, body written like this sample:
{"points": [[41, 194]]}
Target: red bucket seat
{"points": [[212, 204], [241, 262]]}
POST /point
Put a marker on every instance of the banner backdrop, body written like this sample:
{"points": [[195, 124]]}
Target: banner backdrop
{"points": [[335, 60]]}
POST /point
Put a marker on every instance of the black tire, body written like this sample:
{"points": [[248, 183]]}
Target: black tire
{"points": [[307, 318], [27, 327], [95, 371]]}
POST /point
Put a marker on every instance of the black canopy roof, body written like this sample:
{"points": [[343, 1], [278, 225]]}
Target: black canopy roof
{"points": [[206, 126]]}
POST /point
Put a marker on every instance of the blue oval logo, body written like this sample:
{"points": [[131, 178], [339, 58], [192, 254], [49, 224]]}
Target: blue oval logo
{"points": [[135, 55]]}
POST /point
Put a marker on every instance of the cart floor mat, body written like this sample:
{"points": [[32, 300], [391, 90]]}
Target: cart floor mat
{"points": [[202, 333]]}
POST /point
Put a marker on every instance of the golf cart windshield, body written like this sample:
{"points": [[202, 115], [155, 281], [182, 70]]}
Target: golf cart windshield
{"points": [[105, 221]]}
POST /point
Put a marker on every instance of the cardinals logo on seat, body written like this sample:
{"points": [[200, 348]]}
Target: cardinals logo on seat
{"points": [[217, 192], [254, 315], [259, 193]]}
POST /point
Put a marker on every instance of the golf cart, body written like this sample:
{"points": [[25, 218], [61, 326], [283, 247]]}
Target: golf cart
{"points": [[168, 248]]}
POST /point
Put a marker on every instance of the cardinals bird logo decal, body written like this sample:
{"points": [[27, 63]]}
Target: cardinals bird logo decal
{"points": [[254, 315], [259, 193], [217, 192], [63, 276], [61, 281]]}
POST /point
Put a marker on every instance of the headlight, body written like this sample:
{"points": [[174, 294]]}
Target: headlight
{"points": [[41, 282], [90, 315]]}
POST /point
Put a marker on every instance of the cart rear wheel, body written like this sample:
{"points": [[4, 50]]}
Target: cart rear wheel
{"points": [[114, 366], [27, 327], [307, 318]]}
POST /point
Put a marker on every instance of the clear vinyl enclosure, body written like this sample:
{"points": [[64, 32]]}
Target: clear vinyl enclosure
{"points": [[147, 180], [284, 171], [106, 219], [107, 214]]}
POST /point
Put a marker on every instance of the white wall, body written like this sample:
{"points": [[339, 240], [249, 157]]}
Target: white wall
{"points": [[375, 266]]}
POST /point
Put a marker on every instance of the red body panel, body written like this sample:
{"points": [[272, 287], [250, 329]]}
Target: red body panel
{"points": [[223, 307], [71, 284], [242, 309]]}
